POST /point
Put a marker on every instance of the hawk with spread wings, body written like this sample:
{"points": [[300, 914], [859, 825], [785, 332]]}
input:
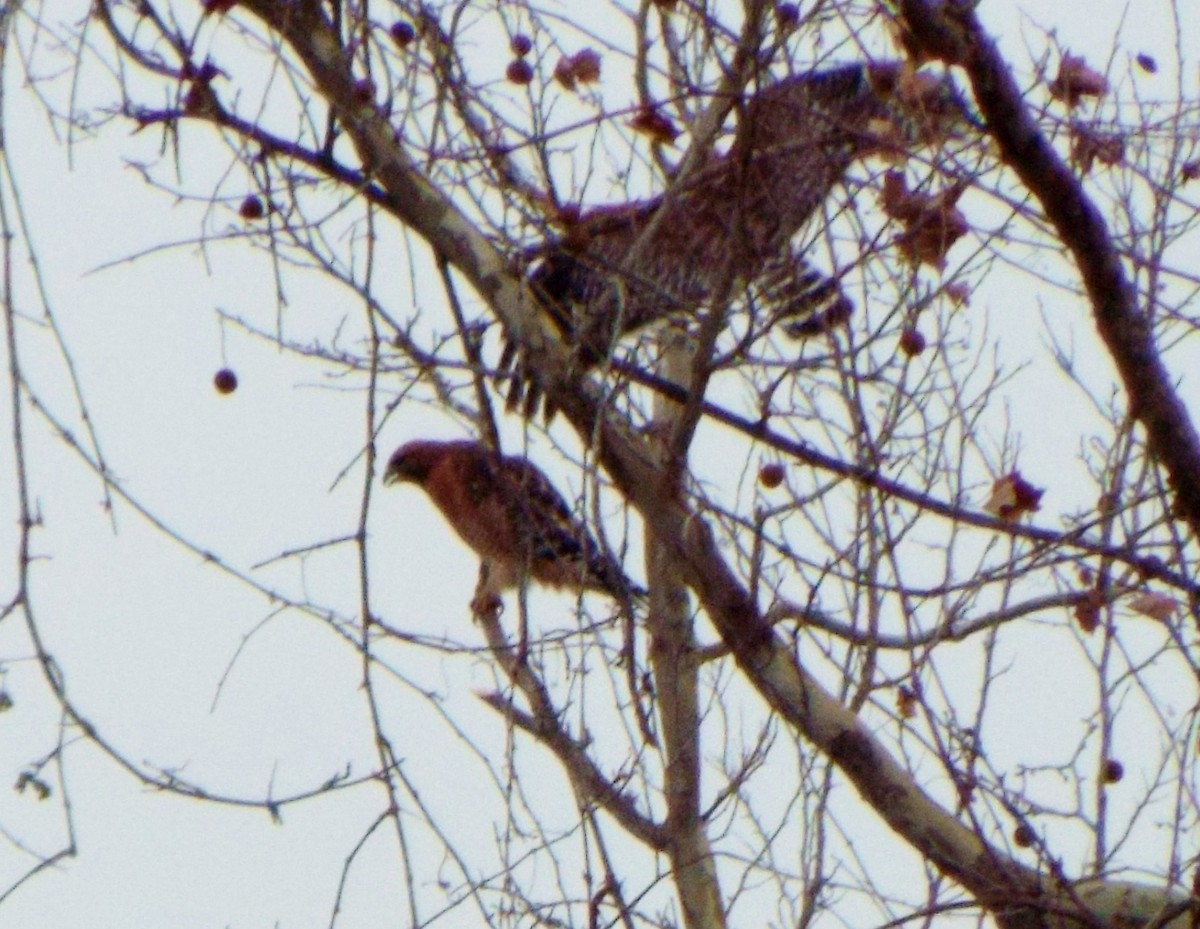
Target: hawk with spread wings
{"points": [[510, 514], [730, 224]]}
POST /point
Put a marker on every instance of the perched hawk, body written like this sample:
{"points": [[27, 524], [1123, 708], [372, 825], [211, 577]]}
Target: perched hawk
{"points": [[511, 515], [731, 223]]}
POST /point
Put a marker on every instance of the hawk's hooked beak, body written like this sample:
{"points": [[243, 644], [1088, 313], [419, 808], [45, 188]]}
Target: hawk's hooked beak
{"points": [[398, 471], [391, 476]]}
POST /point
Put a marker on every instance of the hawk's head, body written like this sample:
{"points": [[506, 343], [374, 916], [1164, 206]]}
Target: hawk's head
{"points": [[814, 123], [923, 107], [411, 462]]}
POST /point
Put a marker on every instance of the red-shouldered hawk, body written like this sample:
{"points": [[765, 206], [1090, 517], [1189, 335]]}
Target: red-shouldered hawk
{"points": [[505, 509], [618, 268]]}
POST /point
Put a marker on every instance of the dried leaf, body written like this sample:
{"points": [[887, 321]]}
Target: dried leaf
{"points": [[586, 65], [1012, 497], [581, 68], [1089, 146], [1087, 610], [932, 223], [563, 73], [1076, 80], [928, 240], [959, 293], [897, 201], [659, 128], [1155, 605]]}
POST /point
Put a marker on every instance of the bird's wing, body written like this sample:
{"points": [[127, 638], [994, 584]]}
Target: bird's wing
{"points": [[538, 510], [560, 549]]}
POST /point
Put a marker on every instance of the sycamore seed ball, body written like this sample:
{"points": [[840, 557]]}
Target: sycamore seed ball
{"points": [[519, 71]]}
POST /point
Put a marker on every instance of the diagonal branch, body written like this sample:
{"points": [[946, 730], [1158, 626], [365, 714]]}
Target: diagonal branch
{"points": [[1018, 895], [951, 31], [418, 203]]}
